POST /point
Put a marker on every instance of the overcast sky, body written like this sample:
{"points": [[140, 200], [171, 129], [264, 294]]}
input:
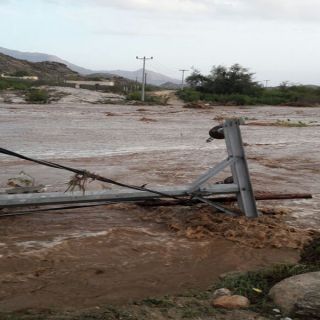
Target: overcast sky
{"points": [[276, 39]]}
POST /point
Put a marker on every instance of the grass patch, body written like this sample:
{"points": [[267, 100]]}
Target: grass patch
{"points": [[164, 302]]}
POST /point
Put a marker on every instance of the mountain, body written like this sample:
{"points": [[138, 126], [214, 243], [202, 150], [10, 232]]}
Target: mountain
{"points": [[41, 57], [152, 77], [170, 85], [48, 70]]}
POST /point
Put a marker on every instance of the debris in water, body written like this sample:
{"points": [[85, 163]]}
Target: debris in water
{"points": [[201, 222]]}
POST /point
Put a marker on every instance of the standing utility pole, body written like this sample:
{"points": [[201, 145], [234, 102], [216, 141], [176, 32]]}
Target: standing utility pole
{"points": [[182, 80], [143, 75], [266, 83]]}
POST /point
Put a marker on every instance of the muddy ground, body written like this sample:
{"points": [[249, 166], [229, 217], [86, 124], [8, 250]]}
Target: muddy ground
{"points": [[95, 256]]}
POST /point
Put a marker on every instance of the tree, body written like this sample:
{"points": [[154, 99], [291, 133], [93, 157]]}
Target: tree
{"points": [[223, 80], [196, 80]]}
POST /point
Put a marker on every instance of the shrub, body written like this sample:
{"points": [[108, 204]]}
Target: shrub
{"points": [[136, 96], [21, 73], [189, 95], [37, 96], [14, 84], [152, 99]]}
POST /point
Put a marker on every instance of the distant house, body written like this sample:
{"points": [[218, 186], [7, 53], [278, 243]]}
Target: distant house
{"points": [[89, 83], [33, 78]]}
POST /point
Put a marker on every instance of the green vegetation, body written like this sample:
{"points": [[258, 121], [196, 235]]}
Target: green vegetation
{"points": [[135, 95], [149, 98], [20, 73], [235, 86], [14, 84], [263, 280], [247, 284], [33, 95], [164, 302], [37, 96]]}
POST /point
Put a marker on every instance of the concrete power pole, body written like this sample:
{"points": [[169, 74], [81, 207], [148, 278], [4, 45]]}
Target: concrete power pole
{"points": [[143, 75], [266, 86], [182, 80]]}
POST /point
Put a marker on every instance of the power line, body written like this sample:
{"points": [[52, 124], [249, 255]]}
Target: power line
{"points": [[143, 75], [165, 69], [182, 80]]}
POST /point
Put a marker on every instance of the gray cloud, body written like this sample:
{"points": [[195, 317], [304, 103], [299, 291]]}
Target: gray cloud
{"points": [[269, 9], [196, 9]]}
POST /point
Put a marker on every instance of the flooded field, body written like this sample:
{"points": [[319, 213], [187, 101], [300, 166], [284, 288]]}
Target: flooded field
{"points": [[92, 256]]}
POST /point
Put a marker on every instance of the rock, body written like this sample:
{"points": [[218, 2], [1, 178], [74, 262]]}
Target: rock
{"points": [[231, 302], [309, 306], [298, 295], [221, 292]]}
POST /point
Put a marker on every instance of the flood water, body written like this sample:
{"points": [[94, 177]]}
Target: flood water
{"points": [[89, 257]]}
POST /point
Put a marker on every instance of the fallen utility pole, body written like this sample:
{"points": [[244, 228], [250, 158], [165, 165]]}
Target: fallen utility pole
{"points": [[236, 161]]}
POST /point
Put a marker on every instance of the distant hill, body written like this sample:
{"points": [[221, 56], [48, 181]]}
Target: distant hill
{"points": [[152, 77], [41, 57], [48, 70], [170, 85]]}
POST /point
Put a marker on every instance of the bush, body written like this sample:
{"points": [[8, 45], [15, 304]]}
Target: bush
{"points": [[152, 99], [189, 95], [136, 96], [37, 96], [21, 73], [14, 84]]}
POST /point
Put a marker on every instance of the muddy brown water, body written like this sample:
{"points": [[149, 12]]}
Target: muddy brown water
{"points": [[88, 257]]}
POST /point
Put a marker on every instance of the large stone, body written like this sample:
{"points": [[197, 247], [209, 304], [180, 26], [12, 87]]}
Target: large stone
{"points": [[231, 302], [309, 306], [299, 295]]}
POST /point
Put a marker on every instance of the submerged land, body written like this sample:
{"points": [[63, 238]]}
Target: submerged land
{"points": [[89, 258]]}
